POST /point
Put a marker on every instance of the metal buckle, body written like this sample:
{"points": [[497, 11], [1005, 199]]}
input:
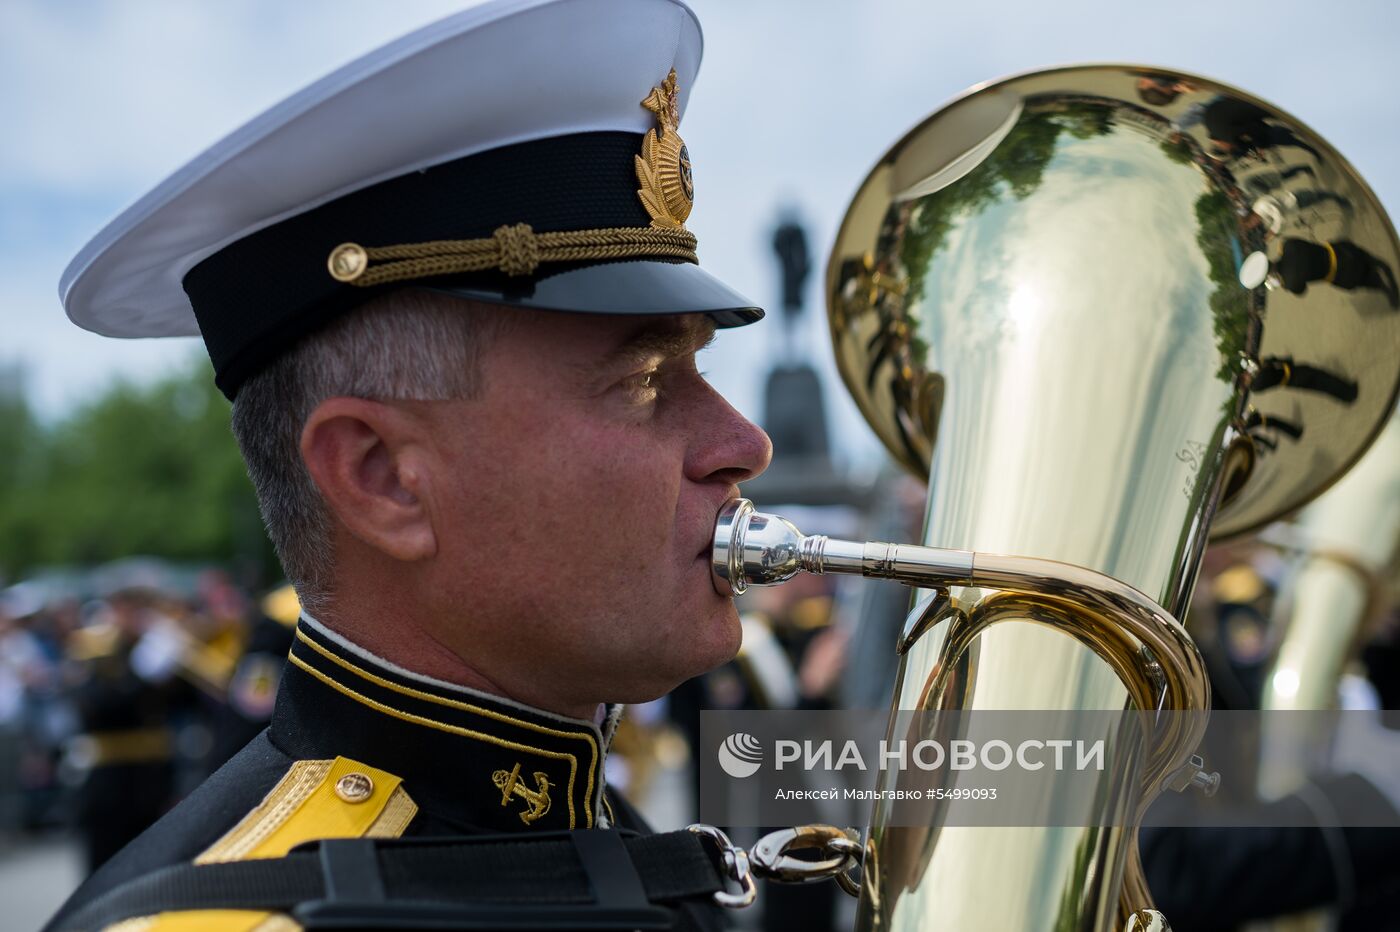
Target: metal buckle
{"points": [[736, 867], [770, 859]]}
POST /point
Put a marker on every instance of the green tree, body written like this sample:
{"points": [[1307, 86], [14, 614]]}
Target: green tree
{"points": [[1217, 230], [1014, 170], [141, 470], [21, 455]]}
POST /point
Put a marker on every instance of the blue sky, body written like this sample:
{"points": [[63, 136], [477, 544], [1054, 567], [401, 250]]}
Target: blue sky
{"points": [[100, 100]]}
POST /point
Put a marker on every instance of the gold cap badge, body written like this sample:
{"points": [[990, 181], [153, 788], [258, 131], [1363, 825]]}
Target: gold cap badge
{"points": [[663, 168]]}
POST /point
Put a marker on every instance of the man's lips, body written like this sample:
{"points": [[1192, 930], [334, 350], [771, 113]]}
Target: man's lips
{"points": [[707, 551]]}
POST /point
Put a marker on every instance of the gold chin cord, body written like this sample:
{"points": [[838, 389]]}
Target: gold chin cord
{"points": [[1135, 308]]}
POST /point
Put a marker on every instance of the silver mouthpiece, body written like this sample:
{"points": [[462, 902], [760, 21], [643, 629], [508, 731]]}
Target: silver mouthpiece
{"points": [[760, 549], [753, 547]]}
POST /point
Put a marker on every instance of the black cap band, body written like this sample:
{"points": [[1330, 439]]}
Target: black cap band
{"points": [[256, 297]]}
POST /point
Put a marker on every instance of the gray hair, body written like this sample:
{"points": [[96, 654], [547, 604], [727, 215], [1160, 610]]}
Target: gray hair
{"points": [[407, 344]]}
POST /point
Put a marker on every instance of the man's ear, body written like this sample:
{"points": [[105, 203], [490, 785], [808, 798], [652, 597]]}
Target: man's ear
{"points": [[364, 457]]}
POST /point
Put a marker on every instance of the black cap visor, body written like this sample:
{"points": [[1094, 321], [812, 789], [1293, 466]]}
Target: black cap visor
{"points": [[642, 286]]}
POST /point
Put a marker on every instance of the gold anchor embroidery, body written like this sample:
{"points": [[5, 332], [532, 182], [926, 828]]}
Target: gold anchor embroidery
{"points": [[538, 798]]}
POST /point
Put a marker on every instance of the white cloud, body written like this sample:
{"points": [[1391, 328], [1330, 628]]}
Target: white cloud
{"points": [[117, 94]]}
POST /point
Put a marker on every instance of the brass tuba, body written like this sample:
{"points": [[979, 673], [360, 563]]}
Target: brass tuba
{"points": [[1344, 546], [1346, 543], [1135, 308]]}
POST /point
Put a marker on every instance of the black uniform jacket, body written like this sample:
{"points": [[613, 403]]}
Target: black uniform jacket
{"points": [[360, 747]]}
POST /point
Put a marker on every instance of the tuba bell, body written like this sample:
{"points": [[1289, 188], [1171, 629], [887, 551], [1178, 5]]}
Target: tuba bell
{"points": [[1106, 312]]}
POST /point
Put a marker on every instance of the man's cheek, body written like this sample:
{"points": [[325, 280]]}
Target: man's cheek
{"points": [[625, 462]]}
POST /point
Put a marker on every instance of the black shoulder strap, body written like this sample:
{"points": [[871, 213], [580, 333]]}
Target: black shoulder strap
{"points": [[588, 879]]}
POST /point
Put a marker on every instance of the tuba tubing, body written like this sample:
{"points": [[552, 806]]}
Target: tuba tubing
{"points": [[1150, 650]]}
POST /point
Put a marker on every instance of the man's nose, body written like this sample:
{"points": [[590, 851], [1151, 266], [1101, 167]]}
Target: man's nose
{"points": [[729, 447]]}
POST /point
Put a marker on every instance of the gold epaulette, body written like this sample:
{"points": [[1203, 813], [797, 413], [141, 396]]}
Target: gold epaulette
{"points": [[282, 606], [93, 642], [315, 799], [127, 746], [209, 665]]}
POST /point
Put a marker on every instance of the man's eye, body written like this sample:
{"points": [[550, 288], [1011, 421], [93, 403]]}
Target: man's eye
{"points": [[643, 385]]}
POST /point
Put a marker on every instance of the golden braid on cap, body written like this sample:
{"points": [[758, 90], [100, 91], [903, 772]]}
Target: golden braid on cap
{"points": [[515, 249]]}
